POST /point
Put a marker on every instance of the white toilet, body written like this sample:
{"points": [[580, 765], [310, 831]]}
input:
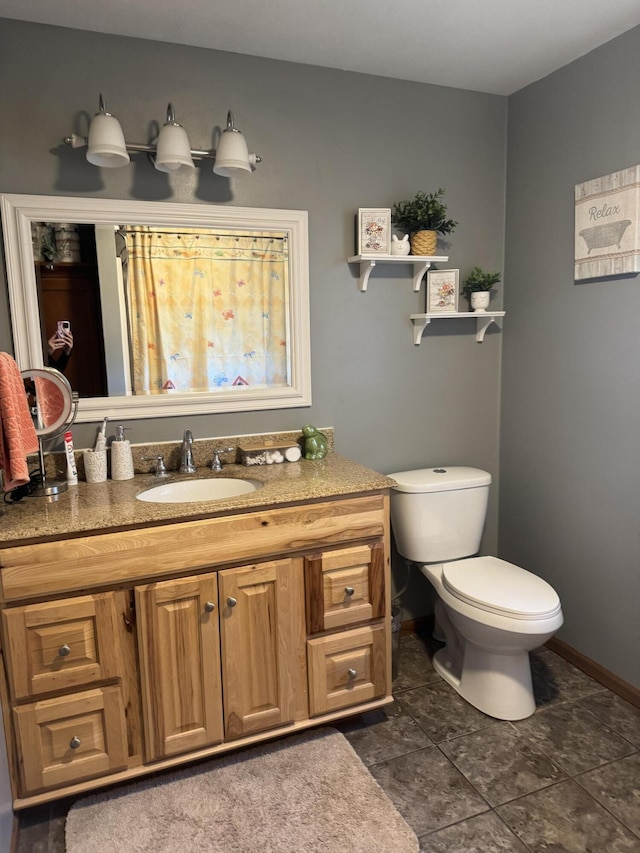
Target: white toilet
{"points": [[489, 612]]}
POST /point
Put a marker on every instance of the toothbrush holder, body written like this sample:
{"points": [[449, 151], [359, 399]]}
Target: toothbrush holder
{"points": [[95, 465]]}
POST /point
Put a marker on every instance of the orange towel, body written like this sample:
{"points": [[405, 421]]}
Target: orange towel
{"points": [[50, 400], [17, 433]]}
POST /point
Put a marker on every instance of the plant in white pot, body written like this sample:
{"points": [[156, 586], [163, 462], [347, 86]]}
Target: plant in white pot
{"points": [[478, 287], [424, 217]]}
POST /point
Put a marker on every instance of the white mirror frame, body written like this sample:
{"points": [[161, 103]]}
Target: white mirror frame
{"points": [[18, 213]]}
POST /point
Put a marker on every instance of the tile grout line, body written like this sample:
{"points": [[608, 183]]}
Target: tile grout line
{"points": [[576, 779]]}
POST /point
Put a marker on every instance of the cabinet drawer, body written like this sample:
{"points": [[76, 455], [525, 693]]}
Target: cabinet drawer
{"points": [[344, 587], [59, 645], [71, 738], [346, 669]]}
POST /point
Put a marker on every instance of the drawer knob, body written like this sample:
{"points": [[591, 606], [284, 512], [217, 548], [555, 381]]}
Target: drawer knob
{"points": [[65, 650], [231, 602], [209, 606], [353, 673], [349, 590], [74, 743]]}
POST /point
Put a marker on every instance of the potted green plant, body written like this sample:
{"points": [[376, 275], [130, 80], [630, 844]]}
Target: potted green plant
{"points": [[478, 287], [424, 217]]}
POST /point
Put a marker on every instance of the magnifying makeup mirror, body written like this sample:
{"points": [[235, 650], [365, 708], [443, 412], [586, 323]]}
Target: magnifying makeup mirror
{"points": [[53, 406]]}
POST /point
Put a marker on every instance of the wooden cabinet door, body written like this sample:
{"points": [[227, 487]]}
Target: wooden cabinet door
{"points": [[179, 644], [60, 645], [263, 646], [71, 738]]}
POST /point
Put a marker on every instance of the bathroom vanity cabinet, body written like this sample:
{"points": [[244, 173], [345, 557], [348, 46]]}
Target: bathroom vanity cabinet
{"points": [[127, 651]]}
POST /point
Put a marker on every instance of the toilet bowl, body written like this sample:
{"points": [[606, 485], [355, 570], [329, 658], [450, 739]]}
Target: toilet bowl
{"points": [[489, 612], [492, 614]]}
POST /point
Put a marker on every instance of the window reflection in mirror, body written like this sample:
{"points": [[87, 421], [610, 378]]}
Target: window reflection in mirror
{"points": [[191, 309]]}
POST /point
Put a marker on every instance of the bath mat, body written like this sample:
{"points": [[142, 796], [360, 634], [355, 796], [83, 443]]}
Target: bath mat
{"points": [[308, 793]]}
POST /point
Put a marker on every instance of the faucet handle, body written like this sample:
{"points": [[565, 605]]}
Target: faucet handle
{"points": [[160, 470], [216, 462]]}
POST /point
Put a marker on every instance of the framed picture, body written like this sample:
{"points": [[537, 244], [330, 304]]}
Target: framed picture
{"points": [[442, 291], [607, 233], [374, 231]]}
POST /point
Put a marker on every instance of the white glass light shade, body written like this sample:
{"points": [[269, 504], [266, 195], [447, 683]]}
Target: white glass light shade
{"points": [[232, 154], [173, 148], [106, 142]]}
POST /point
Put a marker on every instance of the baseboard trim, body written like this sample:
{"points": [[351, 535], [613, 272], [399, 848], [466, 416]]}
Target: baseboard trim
{"points": [[590, 667], [14, 835], [617, 685], [416, 626]]}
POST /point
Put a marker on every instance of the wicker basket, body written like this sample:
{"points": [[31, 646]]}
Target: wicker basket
{"points": [[424, 242]]}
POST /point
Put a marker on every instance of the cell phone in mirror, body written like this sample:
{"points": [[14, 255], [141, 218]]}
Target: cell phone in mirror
{"points": [[63, 326]]}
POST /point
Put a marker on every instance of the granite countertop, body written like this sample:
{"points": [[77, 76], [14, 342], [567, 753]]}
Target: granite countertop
{"points": [[99, 507]]}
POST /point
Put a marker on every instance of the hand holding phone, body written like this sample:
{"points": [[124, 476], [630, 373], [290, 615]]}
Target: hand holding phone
{"points": [[62, 339]]}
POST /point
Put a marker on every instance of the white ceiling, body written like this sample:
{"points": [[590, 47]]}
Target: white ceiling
{"points": [[495, 46]]}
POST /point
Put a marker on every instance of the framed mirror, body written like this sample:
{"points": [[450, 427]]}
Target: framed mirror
{"points": [[161, 309]]}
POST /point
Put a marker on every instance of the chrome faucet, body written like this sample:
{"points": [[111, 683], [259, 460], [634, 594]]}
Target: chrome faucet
{"points": [[216, 462], [187, 465], [160, 469]]}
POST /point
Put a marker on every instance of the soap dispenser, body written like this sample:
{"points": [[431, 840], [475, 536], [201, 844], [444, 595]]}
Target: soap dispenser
{"points": [[121, 457]]}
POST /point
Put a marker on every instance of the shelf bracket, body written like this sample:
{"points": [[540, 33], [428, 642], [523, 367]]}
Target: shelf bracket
{"points": [[420, 323], [365, 272], [419, 269], [483, 325]]}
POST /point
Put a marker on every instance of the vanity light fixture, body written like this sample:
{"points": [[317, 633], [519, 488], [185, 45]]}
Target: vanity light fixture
{"points": [[107, 147]]}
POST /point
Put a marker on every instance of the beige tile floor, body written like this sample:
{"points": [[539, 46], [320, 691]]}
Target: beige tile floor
{"points": [[566, 779]]}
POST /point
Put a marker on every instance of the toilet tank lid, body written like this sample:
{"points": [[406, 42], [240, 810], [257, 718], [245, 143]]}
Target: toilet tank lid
{"points": [[441, 479]]}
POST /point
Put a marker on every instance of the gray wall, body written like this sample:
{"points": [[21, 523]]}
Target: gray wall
{"points": [[332, 142], [570, 458]]}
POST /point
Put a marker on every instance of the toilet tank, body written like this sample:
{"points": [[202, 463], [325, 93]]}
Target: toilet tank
{"points": [[438, 514]]}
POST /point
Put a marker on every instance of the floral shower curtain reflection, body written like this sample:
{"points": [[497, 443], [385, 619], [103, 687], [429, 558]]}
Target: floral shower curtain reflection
{"points": [[217, 319]]}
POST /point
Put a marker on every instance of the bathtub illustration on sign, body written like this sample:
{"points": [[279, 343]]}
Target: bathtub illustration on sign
{"points": [[607, 234]]}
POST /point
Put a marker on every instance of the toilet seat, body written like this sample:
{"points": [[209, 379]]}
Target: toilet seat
{"points": [[499, 587]]}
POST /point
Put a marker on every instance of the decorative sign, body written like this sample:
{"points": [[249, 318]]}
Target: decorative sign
{"points": [[607, 239], [374, 231], [442, 291]]}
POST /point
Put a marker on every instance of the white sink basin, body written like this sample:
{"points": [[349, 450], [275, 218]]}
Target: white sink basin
{"points": [[190, 491]]}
